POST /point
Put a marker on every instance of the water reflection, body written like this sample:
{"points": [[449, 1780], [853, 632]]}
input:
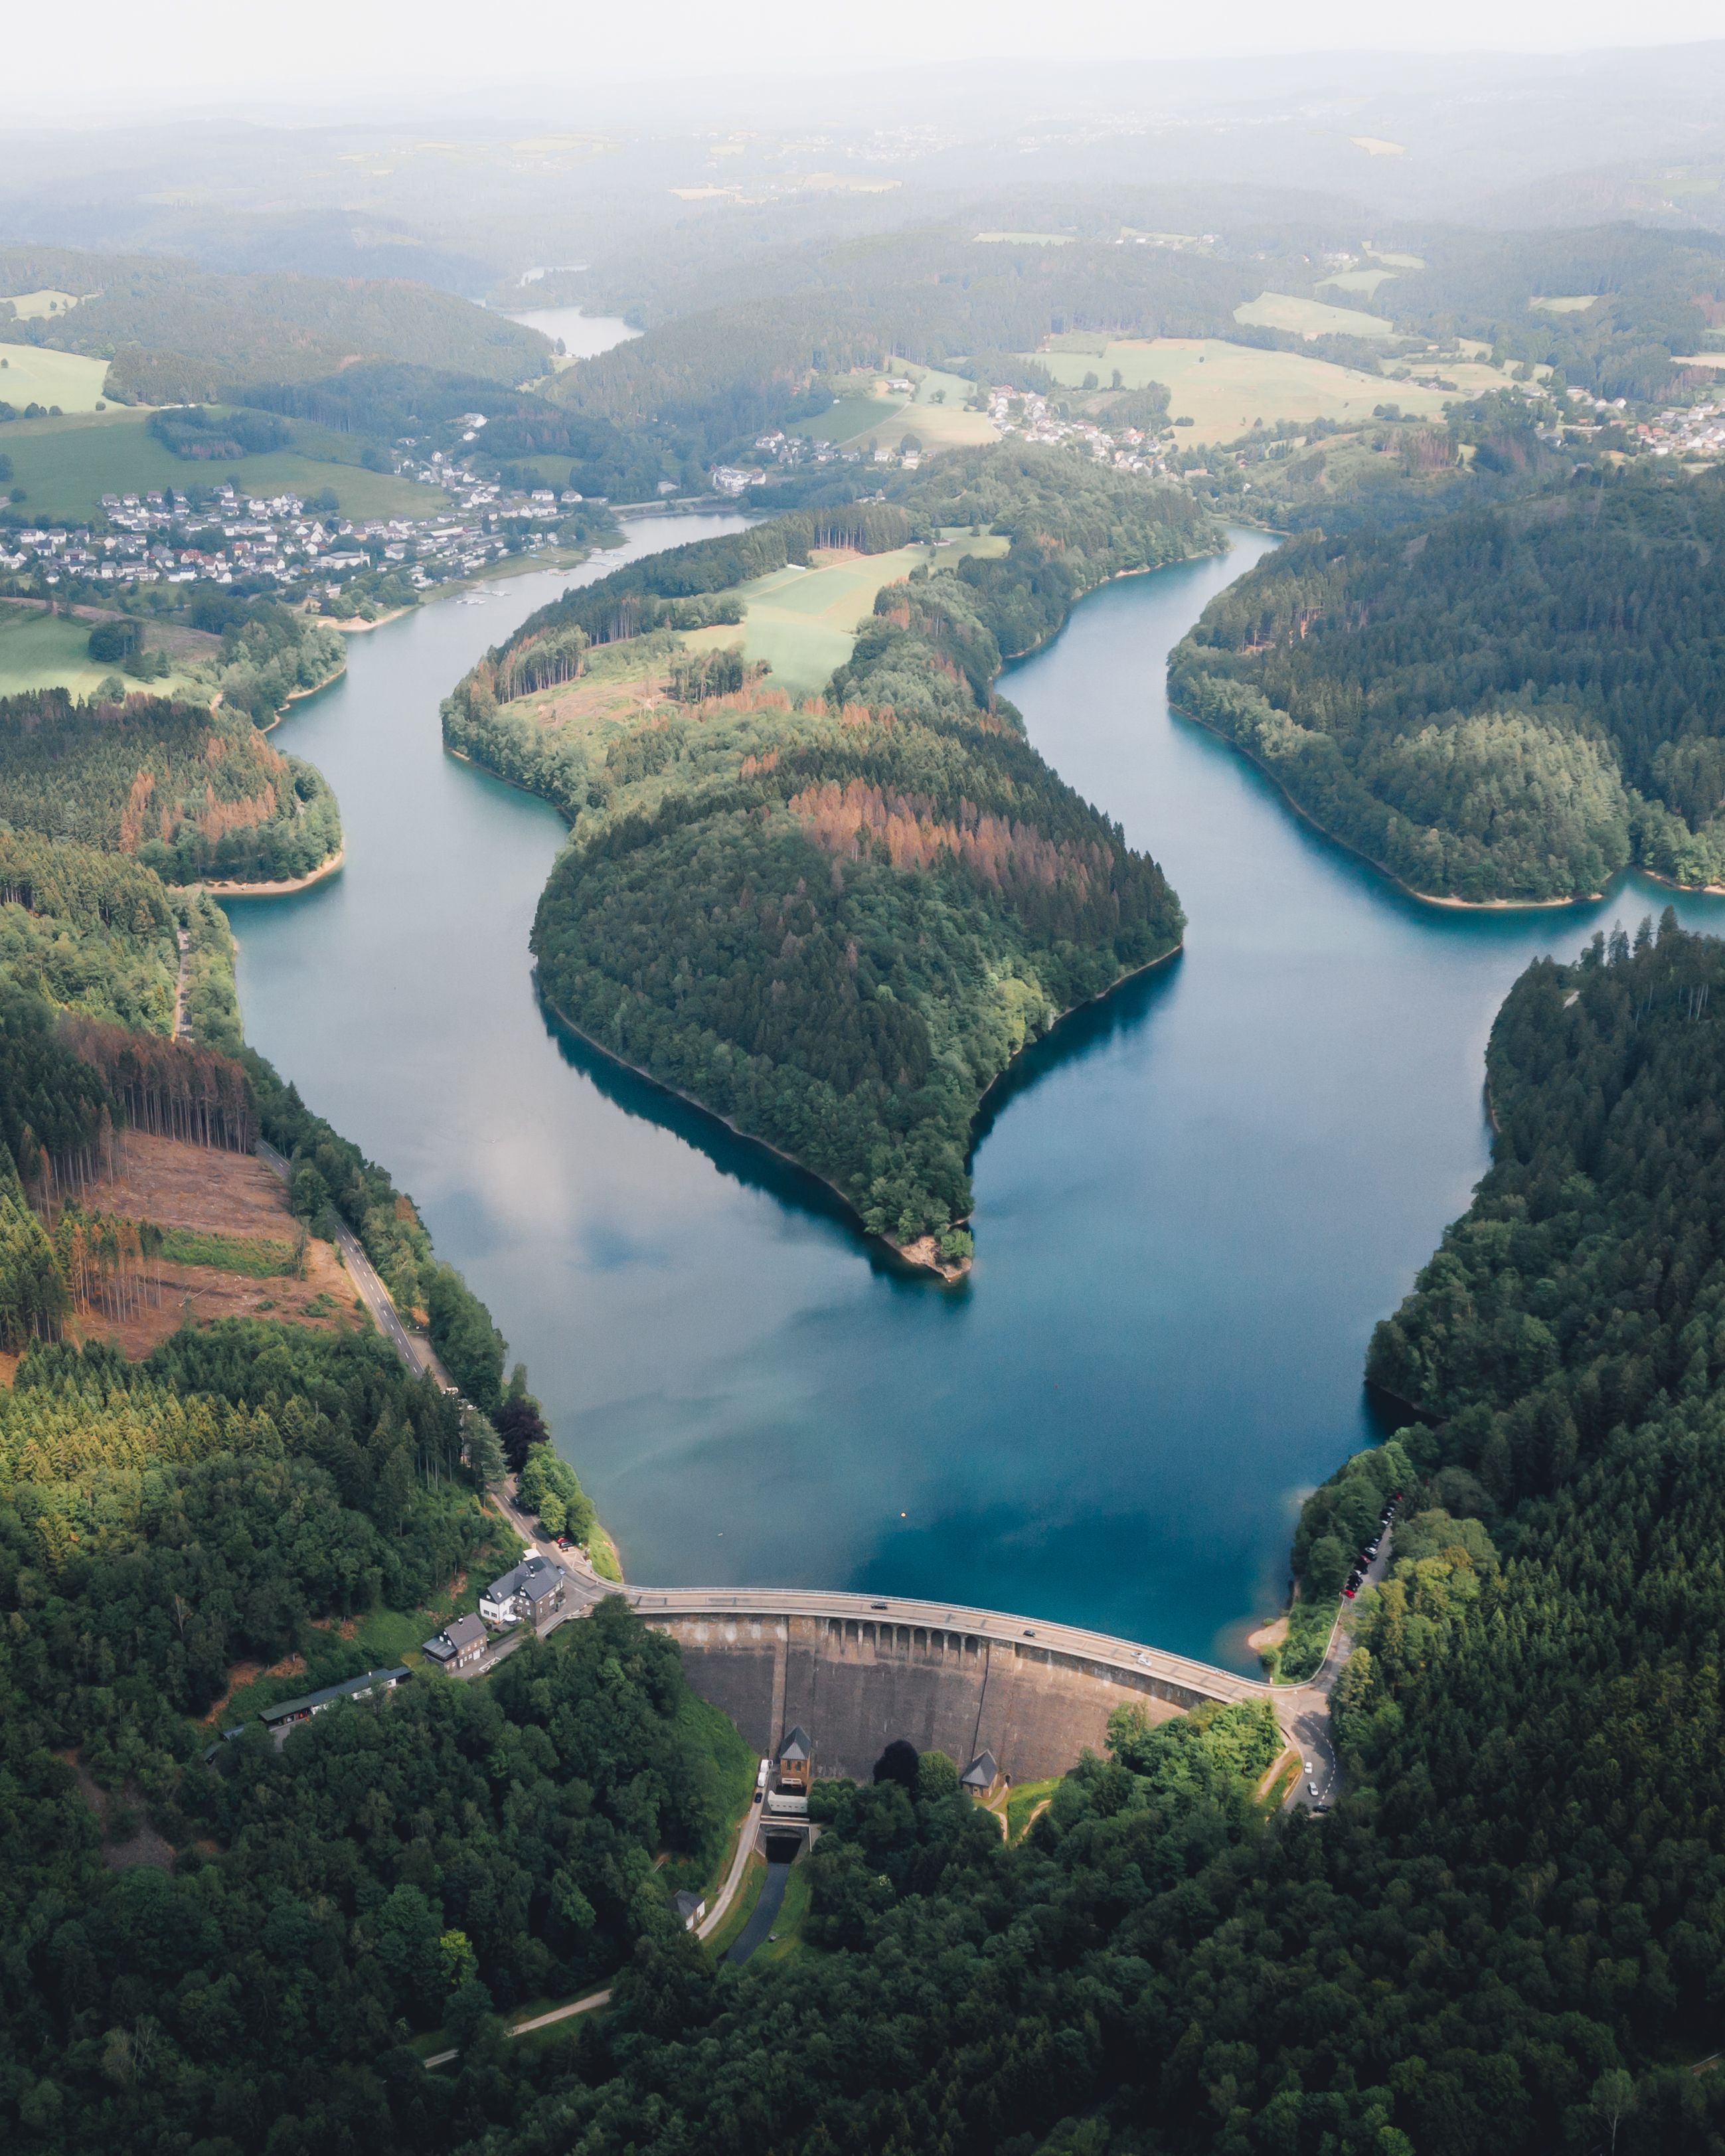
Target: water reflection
{"points": [[1193, 1200]]}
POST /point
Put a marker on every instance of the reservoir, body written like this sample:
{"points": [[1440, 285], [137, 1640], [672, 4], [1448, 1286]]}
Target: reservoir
{"points": [[1193, 1202]]}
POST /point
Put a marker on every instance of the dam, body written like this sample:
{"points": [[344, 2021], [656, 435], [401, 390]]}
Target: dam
{"points": [[857, 1671]]}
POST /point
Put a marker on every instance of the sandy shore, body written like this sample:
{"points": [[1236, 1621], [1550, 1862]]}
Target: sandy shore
{"points": [[323, 870]]}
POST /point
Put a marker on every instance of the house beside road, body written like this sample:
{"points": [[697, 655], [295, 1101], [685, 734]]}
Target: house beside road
{"points": [[461, 1644], [533, 1590]]}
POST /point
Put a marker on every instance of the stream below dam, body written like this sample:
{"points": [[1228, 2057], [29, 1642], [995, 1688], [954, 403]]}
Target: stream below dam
{"points": [[1193, 1201]]}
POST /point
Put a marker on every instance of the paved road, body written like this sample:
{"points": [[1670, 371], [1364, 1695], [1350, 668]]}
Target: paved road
{"points": [[1308, 1725], [723, 1603], [746, 1836], [415, 1353]]}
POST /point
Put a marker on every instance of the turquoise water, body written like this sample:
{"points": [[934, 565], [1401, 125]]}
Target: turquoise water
{"points": [[1192, 1205]]}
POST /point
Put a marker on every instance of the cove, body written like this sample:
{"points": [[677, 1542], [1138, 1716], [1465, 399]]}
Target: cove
{"points": [[1192, 1201]]}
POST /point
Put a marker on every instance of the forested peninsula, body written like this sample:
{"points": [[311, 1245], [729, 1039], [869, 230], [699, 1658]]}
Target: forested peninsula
{"points": [[1510, 704], [834, 921]]}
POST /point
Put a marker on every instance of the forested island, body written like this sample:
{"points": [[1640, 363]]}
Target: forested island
{"points": [[1507, 704], [834, 921]]}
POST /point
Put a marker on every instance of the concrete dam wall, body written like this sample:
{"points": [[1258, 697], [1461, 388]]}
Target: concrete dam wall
{"points": [[961, 1683]]}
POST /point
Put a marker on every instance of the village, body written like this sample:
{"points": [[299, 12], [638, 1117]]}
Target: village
{"points": [[303, 549]]}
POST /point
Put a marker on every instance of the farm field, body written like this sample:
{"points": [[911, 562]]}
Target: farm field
{"points": [[46, 651], [1356, 280], [30, 374], [32, 306], [1311, 318], [1224, 387], [802, 622], [934, 411], [1396, 261], [65, 466], [1566, 303], [850, 417]]}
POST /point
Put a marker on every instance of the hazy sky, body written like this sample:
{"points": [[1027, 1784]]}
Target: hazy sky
{"points": [[109, 56]]}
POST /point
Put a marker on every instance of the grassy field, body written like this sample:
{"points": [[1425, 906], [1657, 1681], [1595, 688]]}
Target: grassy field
{"points": [[1224, 387], [65, 466], [1310, 318], [934, 411], [802, 622], [1356, 280], [1567, 303], [1028, 239], [852, 416], [1396, 261], [786, 1937], [1027, 1798], [32, 306], [46, 651], [31, 375]]}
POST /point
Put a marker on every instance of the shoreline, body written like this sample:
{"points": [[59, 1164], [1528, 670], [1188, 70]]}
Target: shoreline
{"points": [[284, 890], [922, 1255], [1389, 876], [950, 1273]]}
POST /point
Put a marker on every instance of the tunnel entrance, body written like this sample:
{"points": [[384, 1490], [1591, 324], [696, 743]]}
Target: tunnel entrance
{"points": [[781, 1848]]}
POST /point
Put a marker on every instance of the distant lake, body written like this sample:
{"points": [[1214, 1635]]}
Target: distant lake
{"points": [[584, 336], [1192, 1203]]}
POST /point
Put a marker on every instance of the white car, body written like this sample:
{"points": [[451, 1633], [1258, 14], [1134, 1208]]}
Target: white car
{"points": [[1311, 1789]]}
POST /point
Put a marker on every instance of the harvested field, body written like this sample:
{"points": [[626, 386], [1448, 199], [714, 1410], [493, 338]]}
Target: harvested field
{"points": [[186, 1186], [205, 1293], [203, 1189]]}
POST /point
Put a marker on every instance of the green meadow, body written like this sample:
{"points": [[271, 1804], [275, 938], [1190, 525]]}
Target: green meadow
{"points": [[1356, 280], [46, 651], [31, 374], [1567, 303], [32, 306], [1223, 388], [65, 466], [803, 622], [852, 416], [1281, 311]]}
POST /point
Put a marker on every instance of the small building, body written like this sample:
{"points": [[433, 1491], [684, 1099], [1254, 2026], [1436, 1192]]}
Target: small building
{"points": [[288, 1713], [459, 1645], [982, 1779], [784, 1804], [509, 1599], [796, 1760], [543, 1593], [690, 1909]]}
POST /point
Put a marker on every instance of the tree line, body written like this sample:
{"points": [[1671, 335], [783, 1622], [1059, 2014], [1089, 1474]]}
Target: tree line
{"points": [[1515, 703]]}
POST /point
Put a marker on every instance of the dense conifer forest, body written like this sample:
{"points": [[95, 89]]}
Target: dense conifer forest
{"points": [[1511, 704], [188, 792], [1506, 1937], [835, 925]]}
